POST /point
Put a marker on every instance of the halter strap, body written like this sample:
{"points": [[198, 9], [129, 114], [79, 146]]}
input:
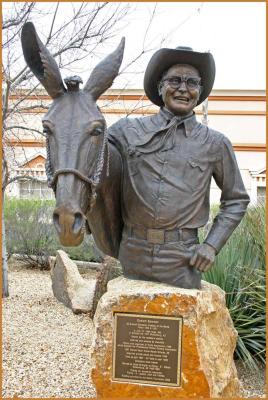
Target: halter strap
{"points": [[94, 181], [70, 171]]}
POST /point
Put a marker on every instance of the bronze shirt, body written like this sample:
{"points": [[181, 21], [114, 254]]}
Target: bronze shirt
{"points": [[168, 163]]}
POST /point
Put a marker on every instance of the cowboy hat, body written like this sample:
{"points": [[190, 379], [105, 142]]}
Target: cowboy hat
{"points": [[163, 59]]}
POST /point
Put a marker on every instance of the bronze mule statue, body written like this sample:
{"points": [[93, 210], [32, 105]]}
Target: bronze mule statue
{"points": [[83, 169]]}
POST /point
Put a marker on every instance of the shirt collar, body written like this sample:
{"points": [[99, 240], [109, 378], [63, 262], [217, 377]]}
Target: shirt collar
{"points": [[166, 116]]}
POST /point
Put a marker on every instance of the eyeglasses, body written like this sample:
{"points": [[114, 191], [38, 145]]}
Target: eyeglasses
{"points": [[192, 82]]}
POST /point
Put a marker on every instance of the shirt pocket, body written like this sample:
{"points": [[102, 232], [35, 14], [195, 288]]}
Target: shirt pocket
{"points": [[195, 172]]}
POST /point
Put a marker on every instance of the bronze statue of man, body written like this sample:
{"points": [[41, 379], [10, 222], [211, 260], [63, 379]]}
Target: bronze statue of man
{"points": [[168, 162], [147, 210]]}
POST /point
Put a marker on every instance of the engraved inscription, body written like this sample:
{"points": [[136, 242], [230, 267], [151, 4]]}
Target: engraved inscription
{"points": [[147, 349]]}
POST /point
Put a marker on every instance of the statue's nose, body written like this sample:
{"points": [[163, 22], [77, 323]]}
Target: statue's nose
{"points": [[68, 222], [182, 86]]}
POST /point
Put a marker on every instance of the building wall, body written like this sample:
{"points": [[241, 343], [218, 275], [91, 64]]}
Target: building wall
{"points": [[240, 115]]}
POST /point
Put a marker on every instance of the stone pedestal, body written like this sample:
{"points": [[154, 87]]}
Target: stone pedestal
{"points": [[208, 340]]}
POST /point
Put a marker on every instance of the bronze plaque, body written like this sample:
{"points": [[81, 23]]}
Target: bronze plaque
{"points": [[147, 349]]}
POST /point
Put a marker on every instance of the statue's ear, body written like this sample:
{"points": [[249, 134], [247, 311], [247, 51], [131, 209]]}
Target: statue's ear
{"points": [[104, 73], [40, 61]]}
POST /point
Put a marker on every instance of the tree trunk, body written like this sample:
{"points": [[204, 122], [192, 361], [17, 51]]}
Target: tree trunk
{"points": [[5, 292]]}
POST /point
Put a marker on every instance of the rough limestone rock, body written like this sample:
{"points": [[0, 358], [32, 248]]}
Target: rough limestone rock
{"points": [[68, 285], [83, 266], [208, 340]]}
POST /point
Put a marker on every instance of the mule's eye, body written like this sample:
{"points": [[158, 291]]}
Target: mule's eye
{"points": [[96, 131], [46, 130]]}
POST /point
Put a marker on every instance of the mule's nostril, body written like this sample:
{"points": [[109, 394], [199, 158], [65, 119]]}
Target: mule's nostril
{"points": [[56, 221], [78, 222]]}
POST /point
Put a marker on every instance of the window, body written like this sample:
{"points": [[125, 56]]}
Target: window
{"points": [[35, 190]]}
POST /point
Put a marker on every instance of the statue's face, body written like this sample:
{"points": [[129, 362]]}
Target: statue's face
{"points": [[182, 99]]}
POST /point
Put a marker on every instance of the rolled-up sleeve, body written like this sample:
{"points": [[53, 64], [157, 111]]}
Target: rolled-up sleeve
{"points": [[234, 198]]}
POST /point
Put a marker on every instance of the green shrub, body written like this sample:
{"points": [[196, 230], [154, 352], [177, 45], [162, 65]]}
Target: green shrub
{"points": [[30, 232], [86, 251], [239, 270]]}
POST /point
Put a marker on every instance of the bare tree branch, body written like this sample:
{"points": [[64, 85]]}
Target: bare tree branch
{"points": [[5, 97], [11, 127], [21, 100], [20, 16], [5, 171], [149, 25], [10, 24], [52, 24], [89, 25]]}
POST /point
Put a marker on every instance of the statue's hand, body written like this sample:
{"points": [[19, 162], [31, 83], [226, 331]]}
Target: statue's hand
{"points": [[203, 257]]}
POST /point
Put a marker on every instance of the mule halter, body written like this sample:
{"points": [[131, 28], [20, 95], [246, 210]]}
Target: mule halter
{"points": [[69, 171], [93, 181]]}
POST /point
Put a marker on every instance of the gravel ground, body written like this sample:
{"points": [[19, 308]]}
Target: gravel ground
{"points": [[46, 346]]}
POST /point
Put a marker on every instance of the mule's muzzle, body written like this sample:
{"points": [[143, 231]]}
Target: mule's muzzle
{"points": [[70, 226]]}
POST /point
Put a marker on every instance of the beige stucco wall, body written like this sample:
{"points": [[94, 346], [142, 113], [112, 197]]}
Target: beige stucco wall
{"points": [[240, 129]]}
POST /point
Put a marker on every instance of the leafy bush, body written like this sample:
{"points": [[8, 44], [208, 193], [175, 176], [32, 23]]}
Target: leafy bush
{"points": [[30, 232], [239, 270]]}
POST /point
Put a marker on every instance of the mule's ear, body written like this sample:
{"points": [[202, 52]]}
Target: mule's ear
{"points": [[40, 61], [104, 73]]}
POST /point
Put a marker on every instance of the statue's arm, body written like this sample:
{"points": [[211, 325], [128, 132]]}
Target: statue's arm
{"points": [[234, 202], [234, 198]]}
